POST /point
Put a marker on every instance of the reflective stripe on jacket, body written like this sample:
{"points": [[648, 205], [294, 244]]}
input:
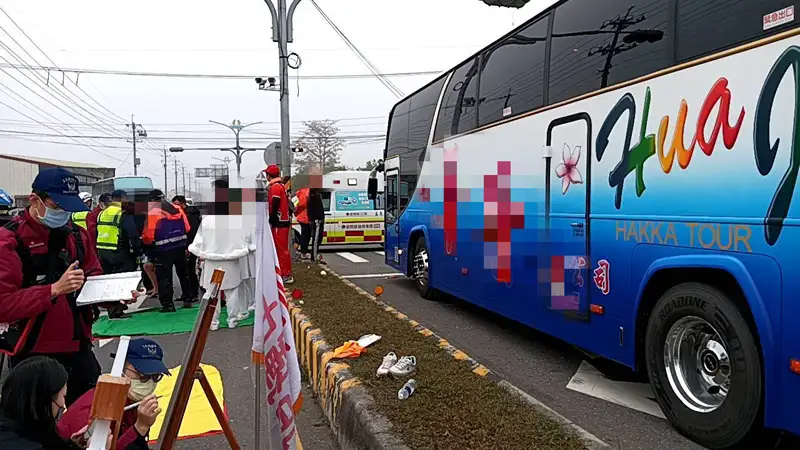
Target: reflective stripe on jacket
{"points": [[108, 228], [167, 227]]}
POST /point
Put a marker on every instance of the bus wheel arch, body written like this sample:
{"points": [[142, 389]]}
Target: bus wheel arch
{"points": [[419, 253], [415, 236], [692, 305]]}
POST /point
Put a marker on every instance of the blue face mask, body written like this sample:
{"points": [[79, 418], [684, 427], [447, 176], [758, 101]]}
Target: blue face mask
{"points": [[54, 218]]}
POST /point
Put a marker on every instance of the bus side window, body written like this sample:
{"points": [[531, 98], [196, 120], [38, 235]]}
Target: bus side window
{"points": [[708, 26], [582, 61]]}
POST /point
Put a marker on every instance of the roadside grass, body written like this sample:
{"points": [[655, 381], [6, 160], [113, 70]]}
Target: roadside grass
{"points": [[452, 408]]}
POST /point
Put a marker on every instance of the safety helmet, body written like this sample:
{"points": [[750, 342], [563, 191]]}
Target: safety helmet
{"points": [[85, 197]]}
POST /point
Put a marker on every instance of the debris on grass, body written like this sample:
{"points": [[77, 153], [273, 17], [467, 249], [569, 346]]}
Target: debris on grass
{"points": [[452, 408]]}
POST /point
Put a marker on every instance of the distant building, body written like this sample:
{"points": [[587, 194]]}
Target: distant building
{"points": [[18, 172]]}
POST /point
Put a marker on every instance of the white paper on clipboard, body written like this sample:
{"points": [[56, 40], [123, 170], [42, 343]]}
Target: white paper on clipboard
{"points": [[109, 288]]}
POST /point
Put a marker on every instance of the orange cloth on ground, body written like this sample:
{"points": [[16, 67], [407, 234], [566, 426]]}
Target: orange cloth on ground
{"points": [[350, 349]]}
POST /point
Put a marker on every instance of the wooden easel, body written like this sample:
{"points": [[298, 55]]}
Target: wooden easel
{"points": [[108, 404], [191, 370]]}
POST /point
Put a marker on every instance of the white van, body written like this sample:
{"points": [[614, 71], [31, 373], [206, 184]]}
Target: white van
{"points": [[350, 216]]}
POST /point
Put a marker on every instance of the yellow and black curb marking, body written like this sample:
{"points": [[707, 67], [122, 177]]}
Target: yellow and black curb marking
{"points": [[345, 402]]}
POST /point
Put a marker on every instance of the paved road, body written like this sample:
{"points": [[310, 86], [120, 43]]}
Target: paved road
{"points": [[537, 364]]}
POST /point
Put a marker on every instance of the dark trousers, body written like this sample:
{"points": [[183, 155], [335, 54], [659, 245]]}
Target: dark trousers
{"points": [[82, 369], [116, 262], [317, 228], [194, 283], [165, 261], [305, 237]]}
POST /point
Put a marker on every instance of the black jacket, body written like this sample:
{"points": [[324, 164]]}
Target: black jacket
{"points": [[194, 216], [316, 210], [12, 438]]}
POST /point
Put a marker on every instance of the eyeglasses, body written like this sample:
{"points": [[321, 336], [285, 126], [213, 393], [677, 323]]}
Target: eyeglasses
{"points": [[145, 378]]}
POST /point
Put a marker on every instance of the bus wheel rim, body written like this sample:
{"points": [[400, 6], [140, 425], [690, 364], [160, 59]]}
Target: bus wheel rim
{"points": [[697, 364], [421, 267]]}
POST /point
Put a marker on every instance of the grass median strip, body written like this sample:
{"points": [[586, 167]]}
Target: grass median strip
{"points": [[452, 408]]}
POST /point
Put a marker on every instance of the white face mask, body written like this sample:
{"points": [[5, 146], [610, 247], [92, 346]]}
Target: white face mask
{"points": [[141, 389]]}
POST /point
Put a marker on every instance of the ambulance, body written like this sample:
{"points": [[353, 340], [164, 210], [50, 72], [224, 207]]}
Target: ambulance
{"points": [[350, 216]]}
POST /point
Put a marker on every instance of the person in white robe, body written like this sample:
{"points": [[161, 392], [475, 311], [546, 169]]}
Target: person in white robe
{"points": [[224, 241]]}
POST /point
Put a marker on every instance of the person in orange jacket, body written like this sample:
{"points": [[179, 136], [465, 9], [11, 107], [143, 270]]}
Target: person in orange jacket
{"points": [[300, 201], [167, 229]]}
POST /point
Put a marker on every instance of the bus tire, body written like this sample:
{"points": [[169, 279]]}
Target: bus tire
{"points": [[698, 336], [421, 257]]}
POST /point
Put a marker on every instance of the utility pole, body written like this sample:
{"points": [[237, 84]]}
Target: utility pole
{"points": [[618, 24], [176, 176], [183, 170], [283, 34], [166, 182], [137, 131]]}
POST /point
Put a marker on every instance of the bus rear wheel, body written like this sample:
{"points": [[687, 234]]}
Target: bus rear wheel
{"points": [[420, 269], [705, 368]]}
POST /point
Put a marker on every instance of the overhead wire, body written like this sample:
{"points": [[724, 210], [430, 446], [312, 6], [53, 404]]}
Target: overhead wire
{"points": [[386, 82]]}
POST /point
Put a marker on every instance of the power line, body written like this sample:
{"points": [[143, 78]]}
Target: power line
{"points": [[213, 76], [389, 85]]}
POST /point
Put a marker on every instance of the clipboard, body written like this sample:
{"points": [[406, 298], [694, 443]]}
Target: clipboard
{"points": [[113, 287]]}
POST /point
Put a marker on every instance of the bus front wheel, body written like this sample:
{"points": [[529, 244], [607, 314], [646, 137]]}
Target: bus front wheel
{"points": [[420, 269], [705, 368]]}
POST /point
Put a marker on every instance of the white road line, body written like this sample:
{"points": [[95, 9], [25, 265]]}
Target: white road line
{"points": [[381, 253], [103, 342], [590, 381], [374, 275], [351, 257]]}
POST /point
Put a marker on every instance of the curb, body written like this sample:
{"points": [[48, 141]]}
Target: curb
{"points": [[592, 441], [347, 405]]}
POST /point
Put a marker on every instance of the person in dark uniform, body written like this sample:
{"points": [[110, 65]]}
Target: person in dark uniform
{"points": [[167, 230], [45, 260], [195, 217]]}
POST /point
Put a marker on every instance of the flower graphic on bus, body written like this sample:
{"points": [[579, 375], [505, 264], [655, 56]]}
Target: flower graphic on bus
{"points": [[568, 169]]}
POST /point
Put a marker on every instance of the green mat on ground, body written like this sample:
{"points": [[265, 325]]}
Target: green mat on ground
{"points": [[152, 322]]}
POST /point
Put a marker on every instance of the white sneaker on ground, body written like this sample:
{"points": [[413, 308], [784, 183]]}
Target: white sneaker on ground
{"points": [[288, 279], [406, 366], [214, 326], [231, 324], [243, 316], [388, 361]]}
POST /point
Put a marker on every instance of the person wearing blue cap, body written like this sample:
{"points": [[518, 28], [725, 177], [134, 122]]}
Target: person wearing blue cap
{"points": [[45, 259], [144, 366]]}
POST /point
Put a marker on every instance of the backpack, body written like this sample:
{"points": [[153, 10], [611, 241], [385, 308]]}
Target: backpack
{"points": [[19, 337]]}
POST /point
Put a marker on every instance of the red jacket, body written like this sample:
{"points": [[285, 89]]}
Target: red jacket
{"points": [[91, 223], [278, 205], [79, 413], [301, 210], [57, 331]]}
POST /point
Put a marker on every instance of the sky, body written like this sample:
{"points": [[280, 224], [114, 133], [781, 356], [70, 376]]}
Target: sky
{"points": [[216, 37]]}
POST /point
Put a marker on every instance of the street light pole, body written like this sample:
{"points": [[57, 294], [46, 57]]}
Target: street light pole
{"points": [[237, 151]]}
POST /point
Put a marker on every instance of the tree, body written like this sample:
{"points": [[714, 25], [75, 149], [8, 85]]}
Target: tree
{"points": [[322, 147], [369, 165]]}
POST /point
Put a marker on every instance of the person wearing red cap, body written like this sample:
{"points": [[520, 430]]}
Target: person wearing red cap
{"points": [[279, 220]]}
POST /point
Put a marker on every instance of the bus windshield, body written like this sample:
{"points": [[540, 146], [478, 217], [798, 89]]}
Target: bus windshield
{"points": [[137, 183]]}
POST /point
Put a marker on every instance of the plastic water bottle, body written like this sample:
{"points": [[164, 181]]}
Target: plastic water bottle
{"points": [[407, 389]]}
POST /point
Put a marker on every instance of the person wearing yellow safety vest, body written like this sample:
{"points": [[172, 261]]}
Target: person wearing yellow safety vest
{"points": [[118, 242], [79, 218]]}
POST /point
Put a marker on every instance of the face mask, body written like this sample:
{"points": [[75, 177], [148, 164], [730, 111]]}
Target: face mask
{"points": [[61, 410], [141, 389], [54, 218]]}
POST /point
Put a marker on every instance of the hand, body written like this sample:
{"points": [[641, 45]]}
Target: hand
{"points": [[146, 414], [79, 438], [70, 281], [134, 297]]}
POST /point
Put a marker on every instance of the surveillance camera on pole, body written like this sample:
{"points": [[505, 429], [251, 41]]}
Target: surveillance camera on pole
{"points": [[266, 84]]}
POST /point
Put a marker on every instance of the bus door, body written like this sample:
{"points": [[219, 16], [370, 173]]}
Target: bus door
{"points": [[567, 194], [392, 213]]}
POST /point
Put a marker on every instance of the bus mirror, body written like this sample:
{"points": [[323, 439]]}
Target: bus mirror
{"points": [[372, 188]]}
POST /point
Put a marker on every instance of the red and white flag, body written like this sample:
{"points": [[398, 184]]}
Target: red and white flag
{"points": [[273, 341]]}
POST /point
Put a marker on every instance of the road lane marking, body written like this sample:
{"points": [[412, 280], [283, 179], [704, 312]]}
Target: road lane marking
{"points": [[381, 253], [352, 257], [374, 275], [638, 396], [103, 342]]}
